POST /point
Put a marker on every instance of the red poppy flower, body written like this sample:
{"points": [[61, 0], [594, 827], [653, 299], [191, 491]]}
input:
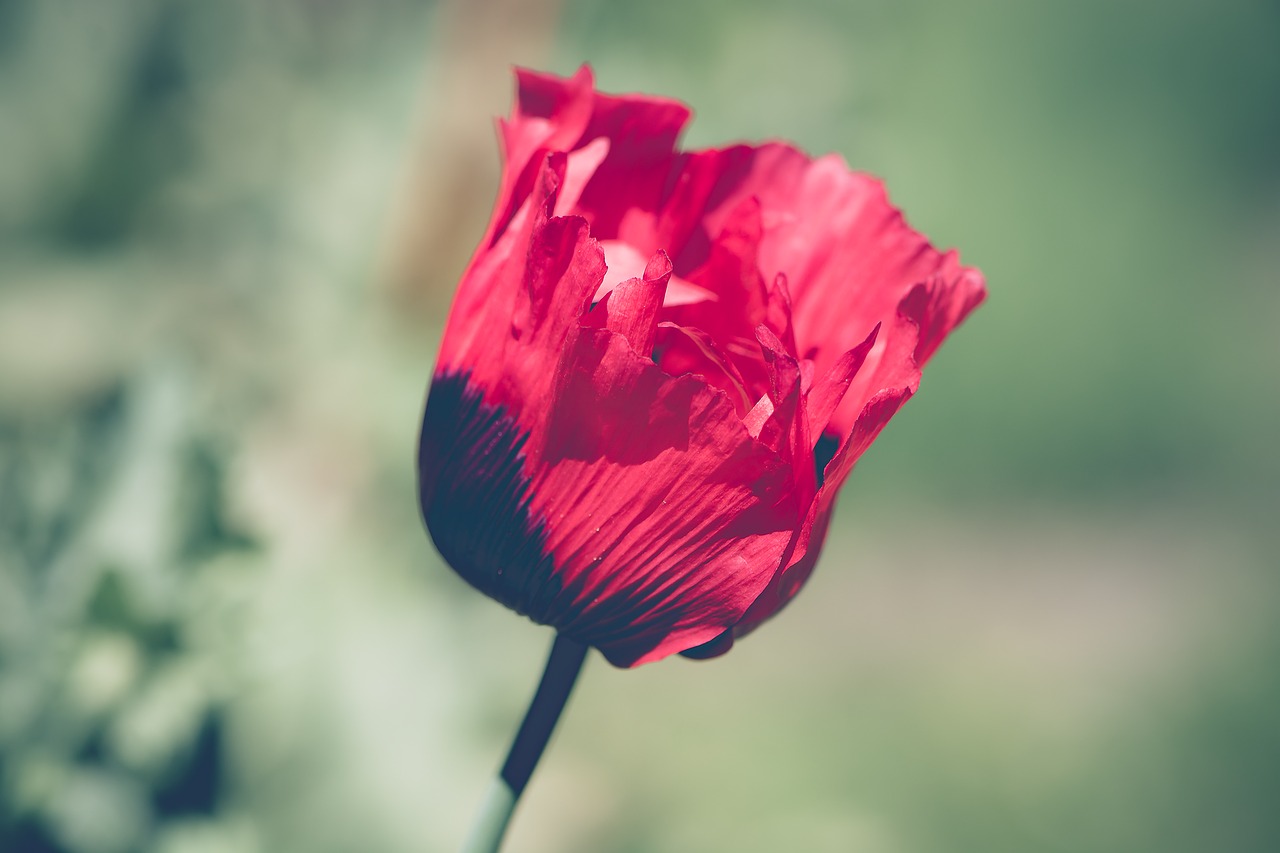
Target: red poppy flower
{"points": [[660, 367]]}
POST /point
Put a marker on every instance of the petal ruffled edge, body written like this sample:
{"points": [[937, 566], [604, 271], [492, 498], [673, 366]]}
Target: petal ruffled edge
{"points": [[554, 113]]}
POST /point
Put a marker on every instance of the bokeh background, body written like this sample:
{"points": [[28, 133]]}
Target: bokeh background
{"points": [[1048, 618]]}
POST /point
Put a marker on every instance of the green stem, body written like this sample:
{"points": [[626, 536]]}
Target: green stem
{"points": [[563, 666]]}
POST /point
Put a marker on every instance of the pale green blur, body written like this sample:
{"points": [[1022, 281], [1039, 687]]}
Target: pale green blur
{"points": [[1047, 618]]}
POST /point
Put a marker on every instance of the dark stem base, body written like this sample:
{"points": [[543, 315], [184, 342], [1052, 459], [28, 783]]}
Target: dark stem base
{"points": [[563, 666]]}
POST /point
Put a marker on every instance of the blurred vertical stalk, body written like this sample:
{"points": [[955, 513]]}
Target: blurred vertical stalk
{"points": [[563, 665], [452, 173]]}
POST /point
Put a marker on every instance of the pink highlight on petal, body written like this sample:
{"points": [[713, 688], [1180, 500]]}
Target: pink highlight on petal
{"points": [[631, 309], [625, 261]]}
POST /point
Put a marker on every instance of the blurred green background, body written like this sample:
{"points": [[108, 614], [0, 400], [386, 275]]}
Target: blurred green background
{"points": [[1048, 617]]}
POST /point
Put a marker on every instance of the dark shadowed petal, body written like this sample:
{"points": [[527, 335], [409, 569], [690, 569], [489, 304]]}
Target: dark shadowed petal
{"points": [[474, 496], [683, 349], [731, 273]]}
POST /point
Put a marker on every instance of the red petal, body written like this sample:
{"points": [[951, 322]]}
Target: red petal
{"points": [[731, 270], [808, 543], [827, 393], [780, 419], [849, 256], [850, 259], [485, 305], [550, 114], [787, 582], [664, 518], [559, 114], [777, 315], [732, 274], [631, 309], [642, 513], [517, 304], [581, 166], [897, 377], [681, 350], [625, 261], [948, 302]]}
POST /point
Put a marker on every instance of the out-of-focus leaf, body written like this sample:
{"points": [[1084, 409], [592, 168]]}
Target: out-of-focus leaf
{"points": [[109, 722]]}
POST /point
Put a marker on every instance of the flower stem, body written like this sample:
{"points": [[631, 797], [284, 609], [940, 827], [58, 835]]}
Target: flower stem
{"points": [[563, 666]]}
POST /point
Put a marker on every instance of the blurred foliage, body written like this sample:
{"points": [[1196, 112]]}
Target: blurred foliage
{"points": [[1047, 619], [111, 722]]}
